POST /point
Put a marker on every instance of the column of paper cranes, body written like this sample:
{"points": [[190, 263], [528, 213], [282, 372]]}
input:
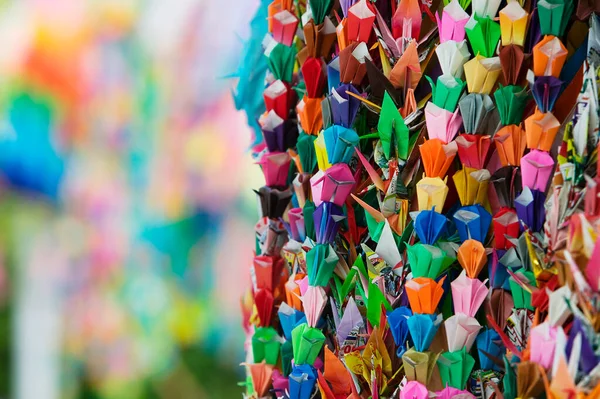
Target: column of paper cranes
{"points": [[428, 237]]}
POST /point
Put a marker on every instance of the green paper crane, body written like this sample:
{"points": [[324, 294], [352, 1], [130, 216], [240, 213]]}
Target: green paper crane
{"points": [[455, 368], [306, 151], [554, 16], [393, 132], [266, 345], [320, 9], [320, 263], [427, 260], [484, 35], [511, 101], [446, 93], [306, 344], [521, 296], [281, 60]]}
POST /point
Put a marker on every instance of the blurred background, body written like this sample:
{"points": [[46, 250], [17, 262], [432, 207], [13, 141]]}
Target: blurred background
{"points": [[126, 210]]}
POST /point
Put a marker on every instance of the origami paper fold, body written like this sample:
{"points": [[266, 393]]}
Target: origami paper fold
{"points": [[536, 169], [549, 56], [472, 257], [437, 157], [314, 300], [398, 321], [297, 224], [506, 182], [307, 156], [267, 271], [414, 390], [275, 167], [333, 185], [279, 98], [541, 129], [273, 201], [418, 366], [352, 63], [478, 113], [500, 306], [489, 349], [423, 328], [431, 193], [424, 294], [407, 70], [473, 149], [336, 374], [447, 92], [511, 101], [585, 8], [515, 65], [482, 73], [561, 301], [327, 218], [265, 345], [320, 9], [472, 222], [260, 374], [530, 208], [554, 16], [289, 319], [350, 321], [310, 115], [468, 294], [380, 84], [406, 22], [313, 72], [483, 34], [263, 299], [441, 123], [320, 263], [455, 368], [471, 185], [340, 143], [360, 21], [393, 132], [510, 143], [281, 60], [530, 383], [302, 381], [284, 27], [343, 106], [307, 343], [321, 153], [543, 342], [520, 293], [461, 331], [485, 8], [452, 23], [452, 56], [513, 24], [427, 260], [506, 223], [333, 74], [319, 38], [279, 134], [545, 90]]}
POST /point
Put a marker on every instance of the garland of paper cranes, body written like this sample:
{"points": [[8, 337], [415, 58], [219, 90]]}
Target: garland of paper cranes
{"points": [[431, 237]]}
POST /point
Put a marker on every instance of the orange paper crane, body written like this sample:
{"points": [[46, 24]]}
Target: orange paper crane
{"points": [[261, 377], [540, 130], [437, 157], [407, 71], [424, 294], [472, 257], [510, 143]]}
